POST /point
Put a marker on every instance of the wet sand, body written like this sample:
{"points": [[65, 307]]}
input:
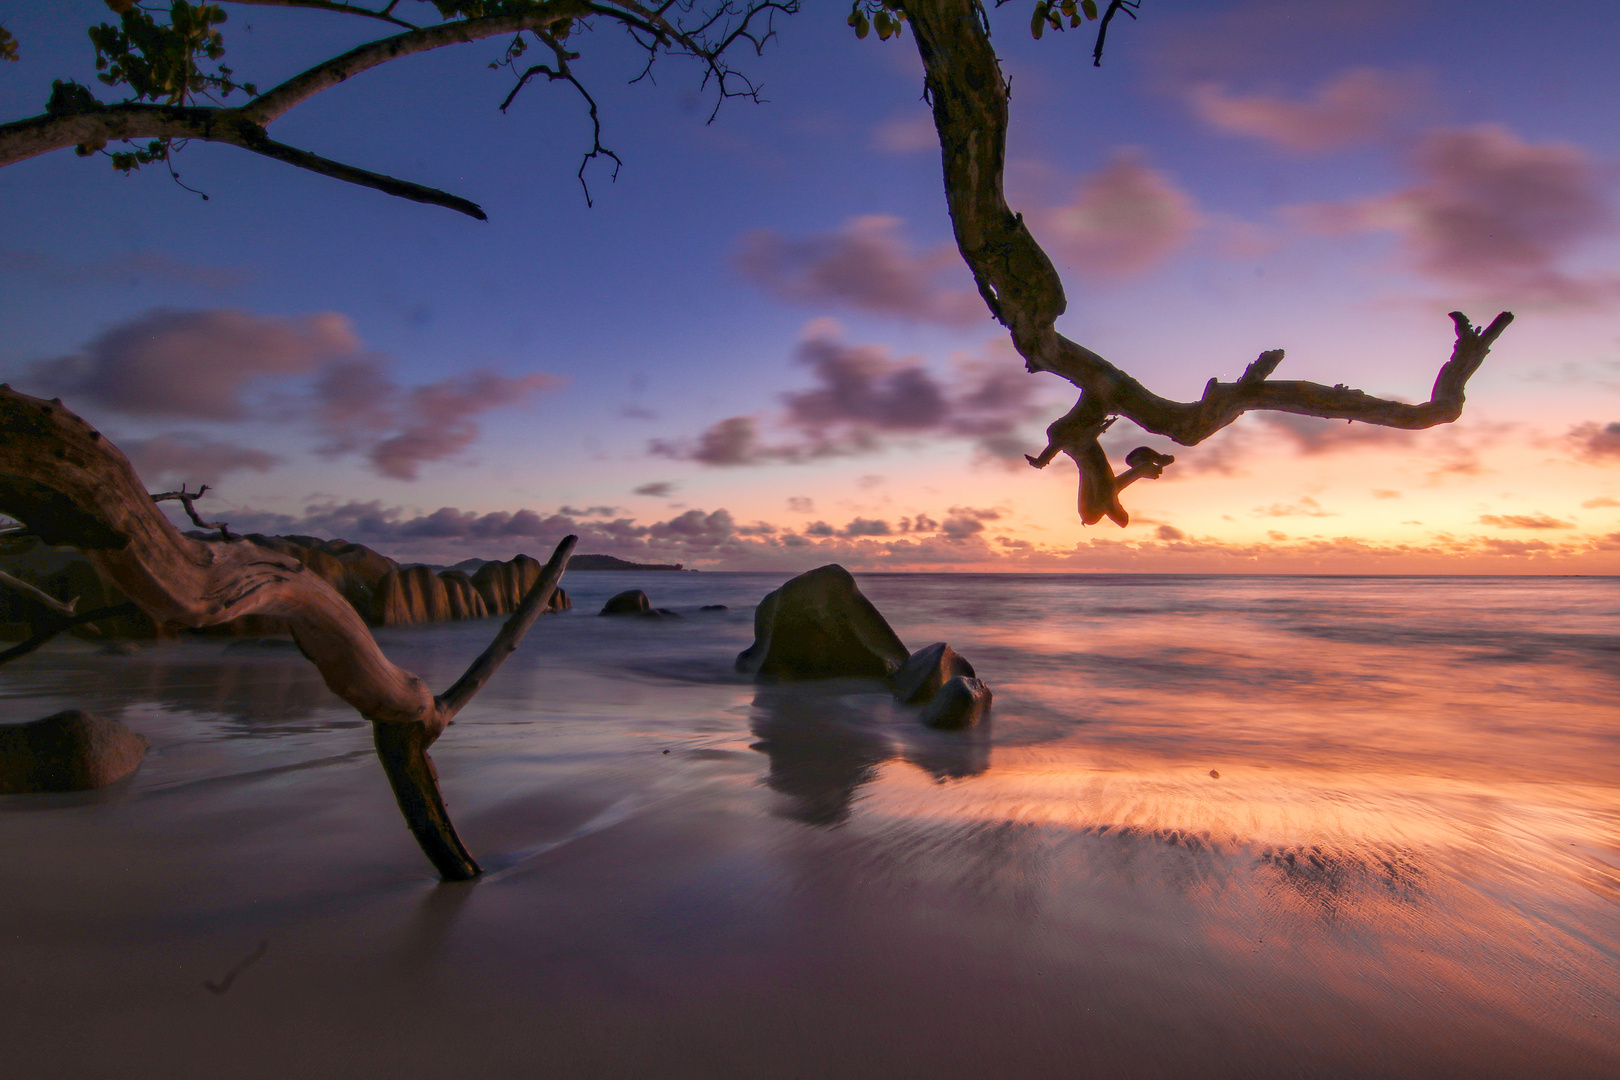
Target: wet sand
{"points": [[1225, 827]]}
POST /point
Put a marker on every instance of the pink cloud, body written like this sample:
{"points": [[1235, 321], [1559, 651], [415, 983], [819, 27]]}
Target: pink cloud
{"points": [[225, 366], [194, 364], [436, 420], [1489, 210], [1123, 220], [866, 266], [1594, 442], [1356, 107], [176, 458]]}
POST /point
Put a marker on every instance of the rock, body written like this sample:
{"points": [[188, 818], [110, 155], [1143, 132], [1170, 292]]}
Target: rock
{"points": [[714, 607], [465, 603], [503, 585], [929, 668], [629, 602], [70, 751], [961, 702], [820, 626]]}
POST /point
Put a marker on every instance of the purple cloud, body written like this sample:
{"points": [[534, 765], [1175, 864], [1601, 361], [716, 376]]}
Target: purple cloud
{"points": [[180, 458], [862, 394], [194, 364], [1594, 442], [865, 266], [1489, 210]]}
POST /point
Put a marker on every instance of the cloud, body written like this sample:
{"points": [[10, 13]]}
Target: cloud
{"points": [[861, 394], [435, 421], [195, 365], [906, 133], [1306, 507], [801, 504], [660, 490], [229, 366], [1524, 521], [964, 540], [1123, 220], [1594, 442], [176, 458], [1489, 210], [1311, 435], [129, 269], [1356, 107], [865, 266], [1599, 502]]}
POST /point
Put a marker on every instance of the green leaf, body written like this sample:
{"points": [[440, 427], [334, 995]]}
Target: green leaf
{"points": [[1089, 7]]}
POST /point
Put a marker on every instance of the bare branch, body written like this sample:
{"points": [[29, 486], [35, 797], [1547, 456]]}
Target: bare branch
{"points": [[330, 5], [523, 616], [1023, 291], [53, 628], [1114, 8], [187, 500], [37, 595]]}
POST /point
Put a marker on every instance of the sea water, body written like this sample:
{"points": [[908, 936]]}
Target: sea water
{"points": [[1215, 826]]}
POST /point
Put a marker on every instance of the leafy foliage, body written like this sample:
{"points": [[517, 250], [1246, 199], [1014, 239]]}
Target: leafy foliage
{"points": [[160, 61], [8, 45]]}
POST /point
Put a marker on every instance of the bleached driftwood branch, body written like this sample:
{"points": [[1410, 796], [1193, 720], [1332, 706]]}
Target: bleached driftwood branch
{"points": [[1023, 291], [70, 486]]}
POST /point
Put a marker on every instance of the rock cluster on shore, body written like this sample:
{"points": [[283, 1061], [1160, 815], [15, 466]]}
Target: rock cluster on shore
{"points": [[820, 625], [382, 591]]}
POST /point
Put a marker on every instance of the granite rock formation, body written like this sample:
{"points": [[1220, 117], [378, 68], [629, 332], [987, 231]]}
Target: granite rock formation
{"points": [[960, 703], [820, 626], [926, 670], [70, 751]]}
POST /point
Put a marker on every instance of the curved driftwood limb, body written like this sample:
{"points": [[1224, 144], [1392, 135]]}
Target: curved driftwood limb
{"points": [[57, 626], [71, 487], [1022, 289]]}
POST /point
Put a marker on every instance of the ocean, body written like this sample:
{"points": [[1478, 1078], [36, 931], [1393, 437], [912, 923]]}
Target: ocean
{"points": [[1215, 827]]}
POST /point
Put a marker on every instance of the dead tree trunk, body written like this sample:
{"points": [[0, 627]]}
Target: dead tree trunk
{"points": [[1022, 288], [69, 486]]}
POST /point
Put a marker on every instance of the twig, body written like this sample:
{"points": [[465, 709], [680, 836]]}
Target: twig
{"points": [[186, 498]]}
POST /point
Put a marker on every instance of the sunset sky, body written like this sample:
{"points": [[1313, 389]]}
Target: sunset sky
{"points": [[759, 348]]}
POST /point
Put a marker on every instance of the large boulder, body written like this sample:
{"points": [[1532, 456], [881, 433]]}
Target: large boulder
{"points": [[820, 626], [926, 670], [70, 751]]}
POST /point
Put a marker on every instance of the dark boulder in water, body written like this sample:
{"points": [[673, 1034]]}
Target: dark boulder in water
{"points": [[820, 626], [961, 702], [714, 607], [926, 670], [629, 602], [70, 751]]}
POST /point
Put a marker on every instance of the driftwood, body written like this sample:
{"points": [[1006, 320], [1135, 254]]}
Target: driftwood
{"points": [[1020, 285], [70, 486]]}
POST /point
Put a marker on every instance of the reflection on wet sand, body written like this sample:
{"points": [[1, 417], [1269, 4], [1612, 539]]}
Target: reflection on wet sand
{"points": [[825, 740], [1242, 853]]}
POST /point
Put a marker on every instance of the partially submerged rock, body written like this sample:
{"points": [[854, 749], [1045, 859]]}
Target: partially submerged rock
{"points": [[629, 602], [926, 670], [961, 702], [820, 626], [70, 751]]}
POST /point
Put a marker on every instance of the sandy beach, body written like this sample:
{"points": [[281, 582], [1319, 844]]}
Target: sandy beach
{"points": [[1239, 827]]}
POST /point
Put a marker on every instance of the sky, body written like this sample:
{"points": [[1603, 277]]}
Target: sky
{"points": [[757, 348]]}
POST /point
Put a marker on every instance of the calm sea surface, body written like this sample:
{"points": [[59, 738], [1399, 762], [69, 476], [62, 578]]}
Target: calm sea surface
{"points": [[1216, 826]]}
